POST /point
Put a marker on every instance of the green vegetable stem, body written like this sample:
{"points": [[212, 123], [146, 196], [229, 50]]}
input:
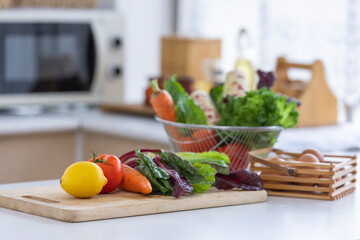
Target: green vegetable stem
{"points": [[158, 178]]}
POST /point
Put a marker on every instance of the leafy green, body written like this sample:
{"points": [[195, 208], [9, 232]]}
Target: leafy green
{"points": [[289, 114], [218, 161], [187, 111], [259, 108], [158, 178], [210, 156], [209, 177], [181, 185], [169, 174], [183, 167], [216, 96]]}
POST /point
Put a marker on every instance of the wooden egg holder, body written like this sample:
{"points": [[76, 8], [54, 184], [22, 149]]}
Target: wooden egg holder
{"points": [[338, 174]]}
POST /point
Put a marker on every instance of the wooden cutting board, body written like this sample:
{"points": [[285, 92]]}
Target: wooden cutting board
{"points": [[53, 202]]}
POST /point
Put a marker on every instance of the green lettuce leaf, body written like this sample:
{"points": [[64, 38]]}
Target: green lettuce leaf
{"points": [[187, 111], [216, 96], [209, 177], [218, 161], [258, 108], [288, 112]]}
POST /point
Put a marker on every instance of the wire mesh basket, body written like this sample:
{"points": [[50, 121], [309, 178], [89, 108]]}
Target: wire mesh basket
{"points": [[234, 141]]}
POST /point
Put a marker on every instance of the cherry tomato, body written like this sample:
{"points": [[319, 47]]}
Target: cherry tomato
{"points": [[112, 169]]}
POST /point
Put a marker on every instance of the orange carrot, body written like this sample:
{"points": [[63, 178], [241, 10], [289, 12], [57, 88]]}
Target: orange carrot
{"points": [[133, 181], [162, 103]]}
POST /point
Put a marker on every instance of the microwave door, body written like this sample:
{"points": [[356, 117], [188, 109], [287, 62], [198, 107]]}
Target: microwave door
{"points": [[46, 57]]}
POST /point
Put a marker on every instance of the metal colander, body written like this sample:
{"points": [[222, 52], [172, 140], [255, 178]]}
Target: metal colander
{"points": [[234, 141]]}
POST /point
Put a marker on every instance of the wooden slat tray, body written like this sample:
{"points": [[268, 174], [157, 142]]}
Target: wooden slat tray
{"points": [[53, 202], [331, 180]]}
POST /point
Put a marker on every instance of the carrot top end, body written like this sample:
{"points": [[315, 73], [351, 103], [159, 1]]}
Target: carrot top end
{"points": [[154, 85]]}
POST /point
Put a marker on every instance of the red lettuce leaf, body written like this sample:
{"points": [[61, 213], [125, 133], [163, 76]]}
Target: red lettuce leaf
{"points": [[131, 163], [266, 79], [244, 179], [132, 154], [181, 185]]}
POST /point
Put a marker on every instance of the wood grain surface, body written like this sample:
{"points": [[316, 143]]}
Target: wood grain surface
{"points": [[53, 202], [136, 109]]}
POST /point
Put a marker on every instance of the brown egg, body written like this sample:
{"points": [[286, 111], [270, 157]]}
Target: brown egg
{"points": [[320, 156], [315, 152], [309, 158]]}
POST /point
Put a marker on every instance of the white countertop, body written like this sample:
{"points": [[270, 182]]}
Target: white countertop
{"points": [[278, 218], [138, 127], [339, 138]]}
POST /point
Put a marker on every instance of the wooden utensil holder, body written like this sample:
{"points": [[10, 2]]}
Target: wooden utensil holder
{"points": [[337, 177], [185, 56], [318, 104]]}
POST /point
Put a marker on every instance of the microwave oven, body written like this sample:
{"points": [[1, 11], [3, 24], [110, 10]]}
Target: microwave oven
{"points": [[60, 56]]}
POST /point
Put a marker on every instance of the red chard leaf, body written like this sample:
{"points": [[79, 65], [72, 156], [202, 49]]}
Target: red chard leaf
{"points": [[244, 179]]}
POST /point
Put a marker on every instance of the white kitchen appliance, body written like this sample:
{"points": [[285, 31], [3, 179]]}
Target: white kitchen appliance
{"points": [[60, 56]]}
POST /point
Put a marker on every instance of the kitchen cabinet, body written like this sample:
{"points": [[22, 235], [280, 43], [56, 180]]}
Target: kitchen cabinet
{"points": [[41, 147], [33, 157], [37, 156]]}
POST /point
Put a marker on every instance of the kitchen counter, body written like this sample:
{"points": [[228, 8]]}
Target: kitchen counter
{"points": [[144, 128], [339, 138], [29, 140], [278, 218]]}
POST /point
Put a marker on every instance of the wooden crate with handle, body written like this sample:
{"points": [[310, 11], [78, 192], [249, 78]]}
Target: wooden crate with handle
{"points": [[318, 103], [331, 180]]}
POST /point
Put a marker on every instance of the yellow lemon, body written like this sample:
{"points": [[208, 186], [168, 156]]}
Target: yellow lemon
{"points": [[83, 179]]}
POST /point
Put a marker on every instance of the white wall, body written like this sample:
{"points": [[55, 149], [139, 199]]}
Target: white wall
{"points": [[144, 23], [221, 19]]}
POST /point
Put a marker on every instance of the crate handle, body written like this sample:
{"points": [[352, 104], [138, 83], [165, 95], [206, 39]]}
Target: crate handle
{"points": [[284, 170]]}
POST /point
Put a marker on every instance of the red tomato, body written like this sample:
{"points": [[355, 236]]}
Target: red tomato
{"points": [[112, 169], [237, 154], [205, 140], [202, 140], [186, 144]]}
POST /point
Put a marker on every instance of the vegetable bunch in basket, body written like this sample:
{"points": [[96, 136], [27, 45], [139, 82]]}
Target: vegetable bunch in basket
{"points": [[232, 119]]}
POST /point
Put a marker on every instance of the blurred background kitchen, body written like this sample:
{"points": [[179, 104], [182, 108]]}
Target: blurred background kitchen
{"points": [[74, 75]]}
